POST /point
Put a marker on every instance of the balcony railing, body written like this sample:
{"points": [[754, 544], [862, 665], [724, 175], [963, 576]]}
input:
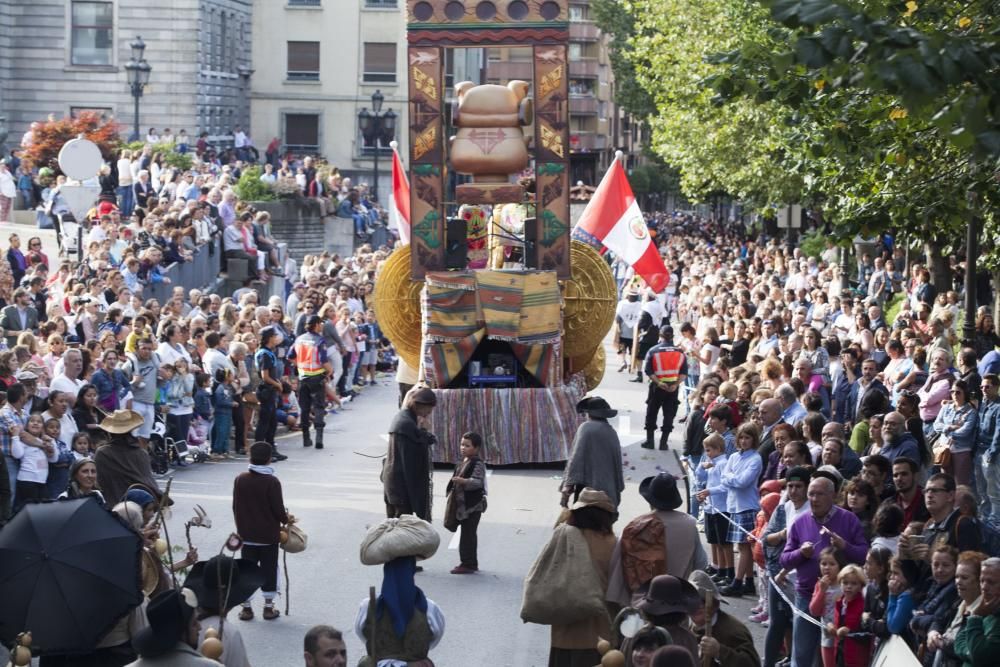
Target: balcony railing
{"points": [[304, 3], [587, 141], [583, 67], [583, 32], [583, 105], [381, 4]]}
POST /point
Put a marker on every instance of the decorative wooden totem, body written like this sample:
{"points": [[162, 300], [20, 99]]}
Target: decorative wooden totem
{"points": [[489, 144]]}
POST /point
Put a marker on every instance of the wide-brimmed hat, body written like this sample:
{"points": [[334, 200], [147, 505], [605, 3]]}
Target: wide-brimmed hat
{"points": [[595, 406], [122, 421], [209, 578], [169, 615], [660, 491], [703, 584], [667, 595], [593, 498]]}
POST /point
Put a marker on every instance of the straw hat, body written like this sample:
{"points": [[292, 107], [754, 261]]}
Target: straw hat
{"points": [[593, 498], [121, 421]]}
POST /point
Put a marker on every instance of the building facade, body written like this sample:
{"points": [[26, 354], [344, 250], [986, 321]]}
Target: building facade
{"points": [[317, 64], [66, 56]]}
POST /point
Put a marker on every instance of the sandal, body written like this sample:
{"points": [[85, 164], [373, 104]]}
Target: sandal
{"points": [[270, 613], [246, 614]]}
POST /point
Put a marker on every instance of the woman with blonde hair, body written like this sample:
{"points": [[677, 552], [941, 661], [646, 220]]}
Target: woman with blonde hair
{"points": [[227, 318]]}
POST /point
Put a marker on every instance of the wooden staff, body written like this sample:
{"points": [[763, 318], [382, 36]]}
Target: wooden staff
{"points": [[707, 660]]}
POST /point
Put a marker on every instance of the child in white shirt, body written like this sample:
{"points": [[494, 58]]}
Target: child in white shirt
{"points": [[34, 469]]}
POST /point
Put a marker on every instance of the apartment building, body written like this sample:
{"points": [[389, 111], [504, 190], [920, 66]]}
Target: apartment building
{"points": [[66, 56], [317, 64]]}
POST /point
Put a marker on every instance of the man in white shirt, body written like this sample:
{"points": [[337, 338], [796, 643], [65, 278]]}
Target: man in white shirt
{"points": [[68, 380]]}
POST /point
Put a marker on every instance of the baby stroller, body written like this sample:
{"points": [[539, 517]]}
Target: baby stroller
{"points": [[165, 451]]}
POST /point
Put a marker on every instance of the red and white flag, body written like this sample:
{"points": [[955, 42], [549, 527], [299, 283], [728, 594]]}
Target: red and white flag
{"points": [[399, 203], [613, 218]]}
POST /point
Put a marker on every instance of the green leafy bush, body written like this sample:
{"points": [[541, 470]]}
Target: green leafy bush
{"points": [[251, 188]]}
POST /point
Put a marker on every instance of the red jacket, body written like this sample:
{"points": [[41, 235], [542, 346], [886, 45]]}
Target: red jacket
{"points": [[857, 652]]}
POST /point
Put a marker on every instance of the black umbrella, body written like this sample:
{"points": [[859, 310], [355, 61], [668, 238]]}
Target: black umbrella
{"points": [[68, 571]]}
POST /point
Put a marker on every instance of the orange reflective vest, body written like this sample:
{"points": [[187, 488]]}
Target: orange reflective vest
{"points": [[309, 355], [667, 365]]}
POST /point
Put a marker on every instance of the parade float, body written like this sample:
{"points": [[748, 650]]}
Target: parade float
{"points": [[502, 313]]}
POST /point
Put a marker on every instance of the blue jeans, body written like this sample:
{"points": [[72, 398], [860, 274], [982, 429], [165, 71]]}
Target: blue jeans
{"points": [[780, 616], [13, 465], [991, 473], [694, 507], [220, 431], [28, 198], [126, 198], [805, 636]]}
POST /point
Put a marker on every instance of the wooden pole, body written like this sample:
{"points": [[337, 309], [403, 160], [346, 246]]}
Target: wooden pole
{"points": [[707, 660]]}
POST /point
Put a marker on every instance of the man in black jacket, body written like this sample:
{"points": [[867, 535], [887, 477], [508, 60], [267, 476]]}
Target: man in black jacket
{"points": [[406, 474]]}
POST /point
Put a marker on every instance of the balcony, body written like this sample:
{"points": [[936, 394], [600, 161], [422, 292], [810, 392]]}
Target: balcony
{"points": [[586, 142], [507, 70], [584, 32], [583, 67], [583, 105]]}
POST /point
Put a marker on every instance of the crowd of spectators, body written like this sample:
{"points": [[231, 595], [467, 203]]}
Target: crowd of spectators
{"points": [[872, 501]]}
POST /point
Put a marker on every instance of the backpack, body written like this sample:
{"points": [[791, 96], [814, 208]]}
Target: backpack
{"points": [[644, 551]]}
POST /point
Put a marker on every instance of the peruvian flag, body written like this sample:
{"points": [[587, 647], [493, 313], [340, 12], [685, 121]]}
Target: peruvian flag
{"points": [[399, 203], [613, 218]]}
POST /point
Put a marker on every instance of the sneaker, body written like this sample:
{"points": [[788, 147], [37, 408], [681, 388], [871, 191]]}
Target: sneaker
{"points": [[277, 456], [759, 618], [766, 623], [756, 610]]}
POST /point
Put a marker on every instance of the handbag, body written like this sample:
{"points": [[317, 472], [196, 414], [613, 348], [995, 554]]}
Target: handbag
{"points": [[297, 539], [451, 513], [941, 450]]}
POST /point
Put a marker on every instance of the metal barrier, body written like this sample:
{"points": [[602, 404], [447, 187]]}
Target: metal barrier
{"points": [[202, 272]]}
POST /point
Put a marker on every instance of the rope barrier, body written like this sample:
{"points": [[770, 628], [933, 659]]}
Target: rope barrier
{"points": [[770, 580]]}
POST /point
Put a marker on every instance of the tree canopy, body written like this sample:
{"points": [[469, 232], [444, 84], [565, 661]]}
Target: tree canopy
{"points": [[878, 113]]}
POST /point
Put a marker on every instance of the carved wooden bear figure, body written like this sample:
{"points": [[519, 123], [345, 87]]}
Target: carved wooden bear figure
{"points": [[489, 143]]}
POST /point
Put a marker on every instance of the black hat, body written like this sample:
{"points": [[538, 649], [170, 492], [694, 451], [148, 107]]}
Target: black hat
{"points": [[668, 595], [169, 614], [799, 474], [660, 491], [595, 406], [210, 577], [312, 321], [667, 332]]}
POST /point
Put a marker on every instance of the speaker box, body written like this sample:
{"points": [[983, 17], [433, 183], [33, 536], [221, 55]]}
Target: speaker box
{"points": [[456, 249], [531, 243]]}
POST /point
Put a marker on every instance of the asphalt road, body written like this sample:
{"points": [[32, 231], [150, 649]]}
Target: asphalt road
{"points": [[337, 495]]}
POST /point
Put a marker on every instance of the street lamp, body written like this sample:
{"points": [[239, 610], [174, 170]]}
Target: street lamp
{"points": [[138, 71], [377, 127]]}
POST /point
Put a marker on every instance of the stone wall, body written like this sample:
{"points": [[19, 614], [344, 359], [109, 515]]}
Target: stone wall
{"points": [[307, 228]]}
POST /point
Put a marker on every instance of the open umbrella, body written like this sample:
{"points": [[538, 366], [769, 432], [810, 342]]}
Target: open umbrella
{"points": [[68, 571]]}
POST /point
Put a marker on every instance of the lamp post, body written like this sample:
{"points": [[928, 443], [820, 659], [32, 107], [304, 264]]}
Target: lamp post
{"points": [[138, 71], [377, 128]]}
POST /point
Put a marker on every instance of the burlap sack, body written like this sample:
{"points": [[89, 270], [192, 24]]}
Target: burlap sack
{"points": [[562, 585], [396, 538]]}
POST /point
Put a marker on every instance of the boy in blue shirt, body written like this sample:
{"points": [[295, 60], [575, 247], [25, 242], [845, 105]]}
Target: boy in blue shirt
{"points": [[713, 497]]}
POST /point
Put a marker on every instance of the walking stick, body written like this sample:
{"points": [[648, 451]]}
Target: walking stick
{"points": [[705, 659]]}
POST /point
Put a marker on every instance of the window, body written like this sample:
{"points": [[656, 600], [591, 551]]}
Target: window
{"points": [[579, 13], [575, 50], [303, 3], [92, 33], [381, 4], [380, 62], [302, 132], [303, 61]]}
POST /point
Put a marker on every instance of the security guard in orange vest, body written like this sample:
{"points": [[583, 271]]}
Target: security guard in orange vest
{"points": [[313, 367], [666, 368]]}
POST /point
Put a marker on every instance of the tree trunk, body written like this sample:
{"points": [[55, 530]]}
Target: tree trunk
{"points": [[938, 267], [996, 302]]}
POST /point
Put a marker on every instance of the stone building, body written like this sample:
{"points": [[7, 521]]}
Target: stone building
{"points": [[317, 64], [65, 56]]}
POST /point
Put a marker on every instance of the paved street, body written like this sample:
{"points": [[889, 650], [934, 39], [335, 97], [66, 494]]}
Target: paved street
{"points": [[336, 494]]}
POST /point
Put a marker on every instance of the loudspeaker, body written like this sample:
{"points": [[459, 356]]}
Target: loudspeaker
{"points": [[531, 243], [456, 248]]}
